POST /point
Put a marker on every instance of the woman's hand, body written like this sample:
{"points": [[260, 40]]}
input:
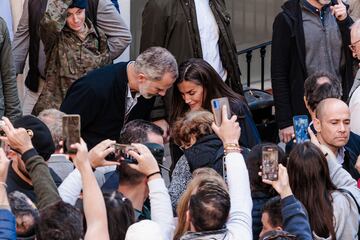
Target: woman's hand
{"points": [[80, 160], [281, 185]]}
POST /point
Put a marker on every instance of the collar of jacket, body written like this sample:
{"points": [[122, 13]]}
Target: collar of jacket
{"points": [[278, 235], [206, 152], [188, 7], [220, 234]]}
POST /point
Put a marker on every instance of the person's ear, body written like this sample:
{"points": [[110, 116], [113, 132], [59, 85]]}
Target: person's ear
{"points": [[306, 103], [278, 228], [317, 125], [142, 78], [188, 216]]}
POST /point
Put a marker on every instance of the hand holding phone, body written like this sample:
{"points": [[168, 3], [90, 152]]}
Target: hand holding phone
{"points": [[269, 164], [121, 153], [217, 106], [281, 185], [71, 132], [147, 164]]}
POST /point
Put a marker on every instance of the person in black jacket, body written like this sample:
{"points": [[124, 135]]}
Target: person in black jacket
{"points": [[107, 97], [196, 85], [308, 36], [260, 192]]}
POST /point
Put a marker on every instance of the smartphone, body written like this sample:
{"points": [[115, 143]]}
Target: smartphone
{"points": [[217, 105], [71, 132], [301, 124], [270, 165], [121, 153]]}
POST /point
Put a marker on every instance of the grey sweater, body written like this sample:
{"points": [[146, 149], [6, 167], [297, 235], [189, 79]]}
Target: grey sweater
{"points": [[323, 43], [346, 216]]}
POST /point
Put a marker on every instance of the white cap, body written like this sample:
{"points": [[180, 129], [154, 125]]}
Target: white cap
{"points": [[144, 230]]}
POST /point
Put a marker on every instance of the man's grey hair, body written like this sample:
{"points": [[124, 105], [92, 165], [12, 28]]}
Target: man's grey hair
{"points": [[53, 120], [155, 62]]}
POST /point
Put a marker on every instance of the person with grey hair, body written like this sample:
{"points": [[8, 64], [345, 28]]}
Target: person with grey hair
{"points": [[108, 97], [53, 120], [58, 161]]}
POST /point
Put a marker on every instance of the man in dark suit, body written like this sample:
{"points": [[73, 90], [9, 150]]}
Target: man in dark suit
{"points": [[106, 98]]}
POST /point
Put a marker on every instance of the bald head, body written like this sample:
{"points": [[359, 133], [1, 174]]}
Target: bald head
{"points": [[331, 107], [332, 123]]}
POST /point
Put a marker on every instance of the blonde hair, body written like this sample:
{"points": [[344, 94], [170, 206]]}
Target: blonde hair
{"points": [[201, 176], [195, 124]]}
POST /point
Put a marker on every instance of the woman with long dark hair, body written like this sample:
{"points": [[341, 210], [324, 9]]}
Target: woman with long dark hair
{"points": [[317, 183], [197, 84]]}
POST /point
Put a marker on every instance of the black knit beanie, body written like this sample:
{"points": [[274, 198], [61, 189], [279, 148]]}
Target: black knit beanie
{"points": [[79, 4]]}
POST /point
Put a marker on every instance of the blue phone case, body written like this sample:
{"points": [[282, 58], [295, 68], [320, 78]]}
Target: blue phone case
{"points": [[301, 124]]}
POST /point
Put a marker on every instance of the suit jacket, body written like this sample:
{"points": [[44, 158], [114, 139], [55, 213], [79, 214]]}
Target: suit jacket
{"points": [[100, 99]]}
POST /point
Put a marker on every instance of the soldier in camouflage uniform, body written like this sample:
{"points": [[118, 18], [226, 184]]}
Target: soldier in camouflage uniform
{"points": [[73, 47]]}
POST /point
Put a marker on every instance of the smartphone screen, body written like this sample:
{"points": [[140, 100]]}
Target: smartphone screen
{"points": [[121, 153], [216, 106], [270, 165], [301, 124], [71, 132]]}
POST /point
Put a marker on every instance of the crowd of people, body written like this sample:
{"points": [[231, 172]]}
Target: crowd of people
{"points": [[218, 188]]}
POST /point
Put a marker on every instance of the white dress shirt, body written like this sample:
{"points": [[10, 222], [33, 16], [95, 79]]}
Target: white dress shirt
{"points": [[209, 36]]}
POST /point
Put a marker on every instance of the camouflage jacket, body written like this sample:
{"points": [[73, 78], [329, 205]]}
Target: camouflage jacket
{"points": [[68, 57]]}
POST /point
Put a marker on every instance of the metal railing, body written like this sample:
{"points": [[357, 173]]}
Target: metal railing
{"points": [[248, 54]]}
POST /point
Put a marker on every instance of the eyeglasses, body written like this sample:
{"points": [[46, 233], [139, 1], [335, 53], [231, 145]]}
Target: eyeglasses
{"points": [[353, 46]]}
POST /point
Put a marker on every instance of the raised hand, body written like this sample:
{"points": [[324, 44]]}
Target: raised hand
{"points": [[17, 138], [81, 158], [281, 185], [146, 161], [99, 152], [339, 11]]}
